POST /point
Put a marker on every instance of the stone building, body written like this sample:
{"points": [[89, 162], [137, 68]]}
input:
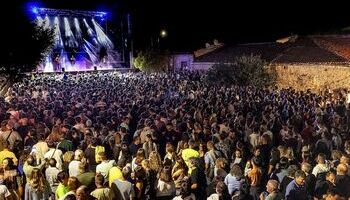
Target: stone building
{"points": [[312, 62]]}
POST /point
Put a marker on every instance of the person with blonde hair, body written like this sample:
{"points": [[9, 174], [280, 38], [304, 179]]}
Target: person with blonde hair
{"points": [[150, 180], [219, 170], [67, 158], [155, 161], [37, 188], [178, 172], [74, 164], [342, 180]]}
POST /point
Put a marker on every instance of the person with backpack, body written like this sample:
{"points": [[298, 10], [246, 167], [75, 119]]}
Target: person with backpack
{"points": [[209, 158]]}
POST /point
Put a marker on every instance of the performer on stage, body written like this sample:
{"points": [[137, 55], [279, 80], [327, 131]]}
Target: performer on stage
{"points": [[72, 60], [57, 64]]}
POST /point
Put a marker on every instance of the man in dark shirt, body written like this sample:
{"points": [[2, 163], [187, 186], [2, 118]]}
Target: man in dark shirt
{"points": [[310, 180], [323, 186], [198, 179], [135, 145], [296, 189], [342, 180]]}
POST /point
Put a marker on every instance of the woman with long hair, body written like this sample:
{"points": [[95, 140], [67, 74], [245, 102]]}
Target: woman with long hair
{"points": [[219, 169], [12, 178], [166, 185], [155, 161], [178, 172], [233, 179], [55, 134], [149, 181], [37, 188], [67, 158]]}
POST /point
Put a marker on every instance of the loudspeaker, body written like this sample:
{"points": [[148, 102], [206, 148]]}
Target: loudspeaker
{"points": [[95, 68], [63, 70]]}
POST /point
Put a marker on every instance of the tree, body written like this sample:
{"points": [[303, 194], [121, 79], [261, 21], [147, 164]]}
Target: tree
{"points": [[152, 61], [26, 44], [244, 71]]}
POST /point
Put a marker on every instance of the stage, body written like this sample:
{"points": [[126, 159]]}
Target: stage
{"points": [[82, 41]]}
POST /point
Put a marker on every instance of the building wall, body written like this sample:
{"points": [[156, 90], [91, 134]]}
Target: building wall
{"points": [[202, 66], [314, 77], [182, 61], [304, 76]]}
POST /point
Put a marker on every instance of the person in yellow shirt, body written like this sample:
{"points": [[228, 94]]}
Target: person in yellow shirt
{"points": [[189, 152], [7, 153], [62, 188], [116, 172]]}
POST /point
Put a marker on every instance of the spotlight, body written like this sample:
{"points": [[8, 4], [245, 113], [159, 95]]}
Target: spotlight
{"points": [[35, 10]]}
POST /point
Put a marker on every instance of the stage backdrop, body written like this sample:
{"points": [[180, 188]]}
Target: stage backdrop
{"points": [[82, 41]]}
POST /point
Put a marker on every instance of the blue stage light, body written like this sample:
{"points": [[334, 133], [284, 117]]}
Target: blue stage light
{"points": [[35, 10]]}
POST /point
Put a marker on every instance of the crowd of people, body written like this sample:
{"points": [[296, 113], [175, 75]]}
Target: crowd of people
{"points": [[105, 135]]}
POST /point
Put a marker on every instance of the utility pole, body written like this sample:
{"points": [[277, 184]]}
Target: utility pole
{"points": [[131, 53]]}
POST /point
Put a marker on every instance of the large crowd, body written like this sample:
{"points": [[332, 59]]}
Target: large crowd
{"points": [[105, 135]]}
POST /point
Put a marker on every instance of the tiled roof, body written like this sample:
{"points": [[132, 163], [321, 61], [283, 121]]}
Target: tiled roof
{"points": [[267, 51], [303, 50]]}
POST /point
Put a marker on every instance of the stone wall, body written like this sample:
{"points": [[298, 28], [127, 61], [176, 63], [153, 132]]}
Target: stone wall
{"points": [[314, 77]]}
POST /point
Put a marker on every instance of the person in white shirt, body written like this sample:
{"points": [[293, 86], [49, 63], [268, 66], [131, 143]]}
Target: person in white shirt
{"points": [[165, 186], [74, 164], [254, 138], [104, 167], [4, 192], [51, 175], [321, 166], [54, 153]]}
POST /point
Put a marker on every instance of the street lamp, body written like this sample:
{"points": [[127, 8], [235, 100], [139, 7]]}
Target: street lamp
{"points": [[163, 33]]}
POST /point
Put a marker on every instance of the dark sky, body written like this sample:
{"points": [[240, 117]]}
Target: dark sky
{"points": [[192, 23]]}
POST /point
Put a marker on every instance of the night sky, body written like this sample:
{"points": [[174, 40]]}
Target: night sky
{"points": [[190, 24]]}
